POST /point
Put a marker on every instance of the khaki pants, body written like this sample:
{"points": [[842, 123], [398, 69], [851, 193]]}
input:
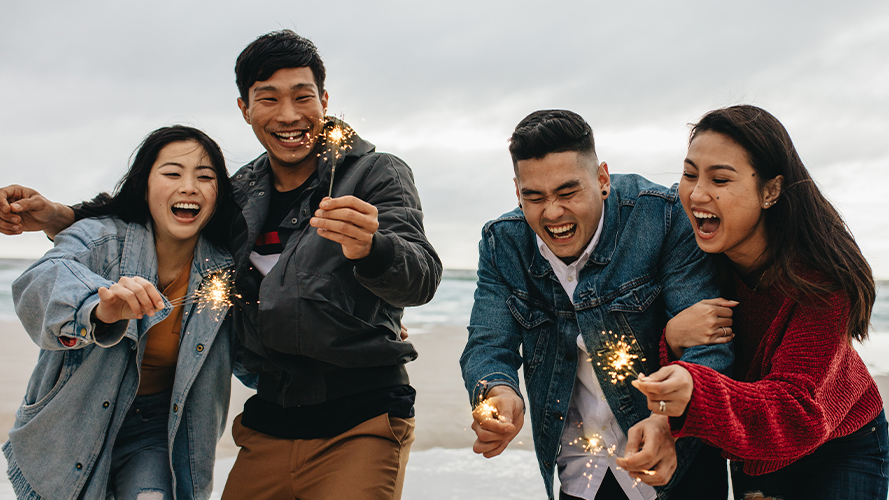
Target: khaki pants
{"points": [[365, 462]]}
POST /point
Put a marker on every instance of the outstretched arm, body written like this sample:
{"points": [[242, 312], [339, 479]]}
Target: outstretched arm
{"points": [[23, 209]]}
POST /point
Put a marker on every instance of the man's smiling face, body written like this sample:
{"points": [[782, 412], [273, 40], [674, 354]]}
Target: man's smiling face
{"points": [[287, 115], [561, 196]]}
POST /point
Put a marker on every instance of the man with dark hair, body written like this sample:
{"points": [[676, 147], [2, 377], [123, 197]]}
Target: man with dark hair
{"points": [[329, 248], [586, 262]]}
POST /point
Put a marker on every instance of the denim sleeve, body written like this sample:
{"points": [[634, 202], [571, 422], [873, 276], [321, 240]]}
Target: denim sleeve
{"points": [[688, 277], [55, 297], [491, 356]]}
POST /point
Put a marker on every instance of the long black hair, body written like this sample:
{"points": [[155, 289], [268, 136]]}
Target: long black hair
{"points": [[129, 203], [802, 227]]}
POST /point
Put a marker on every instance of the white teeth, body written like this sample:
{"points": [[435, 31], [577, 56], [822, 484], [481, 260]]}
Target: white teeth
{"points": [[561, 229], [704, 215], [291, 136], [187, 206]]}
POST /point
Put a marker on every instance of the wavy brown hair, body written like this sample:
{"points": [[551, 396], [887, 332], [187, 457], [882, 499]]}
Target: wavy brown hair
{"points": [[803, 229]]}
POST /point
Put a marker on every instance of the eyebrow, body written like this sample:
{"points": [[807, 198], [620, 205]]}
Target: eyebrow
{"points": [[567, 185], [272, 88], [712, 167]]}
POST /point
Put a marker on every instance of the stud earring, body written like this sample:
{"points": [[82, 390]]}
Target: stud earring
{"points": [[767, 204], [604, 193]]}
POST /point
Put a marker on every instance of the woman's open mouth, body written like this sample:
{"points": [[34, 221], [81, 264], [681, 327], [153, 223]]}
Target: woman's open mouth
{"points": [[186, 211], [707, 223], [562, 232]]}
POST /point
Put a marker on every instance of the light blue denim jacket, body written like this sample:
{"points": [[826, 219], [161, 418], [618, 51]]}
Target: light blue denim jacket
{"points": [[60, 446], [645, 269]]}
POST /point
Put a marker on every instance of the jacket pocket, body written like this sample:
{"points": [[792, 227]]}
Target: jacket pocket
{"points": [[537, 327], [52, 372]]}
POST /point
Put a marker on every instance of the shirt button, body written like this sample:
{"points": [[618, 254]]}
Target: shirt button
{"points": [[604, 427], [200, 348], [570, 278], [175, 408], [293, 220], [83, 332], [603, 397]]}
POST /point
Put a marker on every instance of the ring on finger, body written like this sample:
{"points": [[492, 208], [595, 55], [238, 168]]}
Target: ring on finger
{"points": [[662, 406], [724, 331]]}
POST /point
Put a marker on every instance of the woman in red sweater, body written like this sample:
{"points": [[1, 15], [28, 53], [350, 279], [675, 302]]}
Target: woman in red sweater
{"points": [[802, 417]]}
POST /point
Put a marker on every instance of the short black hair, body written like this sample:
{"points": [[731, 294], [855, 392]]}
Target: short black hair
{"points": [[273, 51], [550, 131]]}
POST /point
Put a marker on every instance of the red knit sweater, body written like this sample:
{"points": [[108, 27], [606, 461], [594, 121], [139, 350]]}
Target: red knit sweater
{"points": [[797, 384]]}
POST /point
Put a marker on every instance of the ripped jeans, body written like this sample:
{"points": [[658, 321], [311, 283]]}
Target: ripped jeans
{"points": [[854, 467], [140, 462]]}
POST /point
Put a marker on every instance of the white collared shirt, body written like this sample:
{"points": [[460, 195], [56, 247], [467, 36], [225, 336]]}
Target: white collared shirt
{"points": [[590, 420]]}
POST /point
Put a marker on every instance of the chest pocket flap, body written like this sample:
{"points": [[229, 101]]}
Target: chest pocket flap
{"points": [[525, 312], [636, 298]]}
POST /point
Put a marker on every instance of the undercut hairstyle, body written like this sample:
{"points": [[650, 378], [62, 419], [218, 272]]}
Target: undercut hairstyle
{"points": [[273, 51], [551, 131], [129, 200], [802, 228]]}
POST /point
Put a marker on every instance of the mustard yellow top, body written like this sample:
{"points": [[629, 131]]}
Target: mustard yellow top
{"points": [[162, 346]]}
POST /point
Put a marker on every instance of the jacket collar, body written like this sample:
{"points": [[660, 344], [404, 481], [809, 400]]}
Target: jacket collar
{"points": [[140, 258]]}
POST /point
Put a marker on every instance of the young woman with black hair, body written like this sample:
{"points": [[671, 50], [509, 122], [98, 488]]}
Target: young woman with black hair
{"points": [[802, 417]]}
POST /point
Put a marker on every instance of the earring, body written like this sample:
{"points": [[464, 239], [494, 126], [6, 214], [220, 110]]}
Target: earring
{"points": [[767, 204], [604, 193]]}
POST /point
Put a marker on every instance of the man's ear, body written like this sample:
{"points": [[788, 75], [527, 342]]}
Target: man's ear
{"points": [[603, 179], [245, 111], [771, 191], [324, 99]]}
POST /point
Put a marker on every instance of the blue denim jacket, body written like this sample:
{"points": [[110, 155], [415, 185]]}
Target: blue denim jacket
{"points": [[60, 446], [645, 269]]}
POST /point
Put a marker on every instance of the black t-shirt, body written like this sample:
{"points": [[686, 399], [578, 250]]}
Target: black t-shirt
{"points": [[332, 417]]}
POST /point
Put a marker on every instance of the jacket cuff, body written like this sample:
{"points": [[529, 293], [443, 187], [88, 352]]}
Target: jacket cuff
{"points": [[379, 260], [86, 331]]}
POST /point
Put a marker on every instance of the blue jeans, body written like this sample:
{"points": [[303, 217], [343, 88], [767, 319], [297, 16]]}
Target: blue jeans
{"points": [[140, 462], [854, 466]]}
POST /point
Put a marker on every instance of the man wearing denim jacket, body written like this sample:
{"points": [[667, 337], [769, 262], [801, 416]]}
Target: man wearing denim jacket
{"points": [[587, 259]]}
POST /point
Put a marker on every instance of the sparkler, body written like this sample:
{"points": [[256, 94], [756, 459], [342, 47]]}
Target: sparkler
{"points": [[216, 291], [487, 410], [618, 357], [336, 138]]}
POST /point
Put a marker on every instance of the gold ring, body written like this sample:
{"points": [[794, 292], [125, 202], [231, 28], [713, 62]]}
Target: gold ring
{"points": [[662, 406]]}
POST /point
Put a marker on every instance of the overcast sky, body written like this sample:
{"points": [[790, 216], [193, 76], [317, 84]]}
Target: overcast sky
{"points": [[443, 87]]}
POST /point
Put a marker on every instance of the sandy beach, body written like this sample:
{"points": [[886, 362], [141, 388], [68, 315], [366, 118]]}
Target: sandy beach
{"points": [[443, 415], [442, 407], [440, 459]]}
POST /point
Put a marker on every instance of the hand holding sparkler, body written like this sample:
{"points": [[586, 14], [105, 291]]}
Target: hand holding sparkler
{"points": [[348, 221], [129, 298], [497, 419], [650, 456], [668, 390]]}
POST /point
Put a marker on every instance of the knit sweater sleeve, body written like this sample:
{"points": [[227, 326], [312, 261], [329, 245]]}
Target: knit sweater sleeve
{"points": [[807, 385]]}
